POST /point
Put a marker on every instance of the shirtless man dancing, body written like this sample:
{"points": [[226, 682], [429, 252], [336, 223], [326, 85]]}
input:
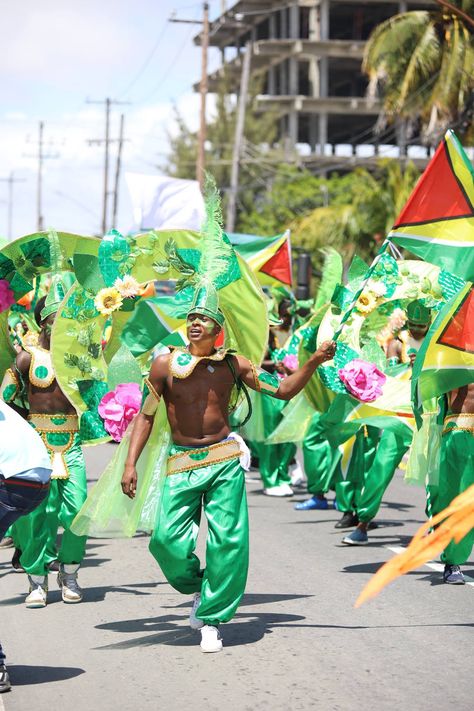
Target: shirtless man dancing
{"points": [[204, 470]]}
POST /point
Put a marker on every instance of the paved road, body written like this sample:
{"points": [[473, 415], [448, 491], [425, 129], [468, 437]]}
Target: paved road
{"points": [[295, 643]]}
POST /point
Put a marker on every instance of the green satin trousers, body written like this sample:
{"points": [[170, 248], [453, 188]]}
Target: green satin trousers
{"points": [[348, 490], [320, 459], [456, 475], [390, 450], [219, 491], [36, 533]]}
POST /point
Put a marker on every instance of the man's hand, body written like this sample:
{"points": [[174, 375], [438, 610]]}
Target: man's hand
{"points": [[325, 351], [129, 482]]}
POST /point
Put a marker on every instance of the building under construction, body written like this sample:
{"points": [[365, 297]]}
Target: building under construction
{"points": [[307, 56]]}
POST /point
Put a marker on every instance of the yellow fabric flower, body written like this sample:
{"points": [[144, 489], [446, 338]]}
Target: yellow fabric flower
{"points": [[366, 303], [108, 300], [127, 286]]}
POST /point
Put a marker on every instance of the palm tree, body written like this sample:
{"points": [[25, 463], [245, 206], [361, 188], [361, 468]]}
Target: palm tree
{"points": [[423, 63]]}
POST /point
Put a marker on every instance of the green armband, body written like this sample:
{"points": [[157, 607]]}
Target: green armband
{"points": [[393, 361], [10, 387], [150, 399], [265, 382]]}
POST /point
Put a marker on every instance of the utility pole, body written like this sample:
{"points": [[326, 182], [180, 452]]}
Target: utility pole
{"points": [[117, 172], [106, 141], [201, 158], [41, 156], [238, 139], [10, 180]]}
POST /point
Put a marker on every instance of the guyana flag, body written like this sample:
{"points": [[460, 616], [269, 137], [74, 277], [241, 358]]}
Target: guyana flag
{"points": [[268, 257], [437, 222], [446, 358]]}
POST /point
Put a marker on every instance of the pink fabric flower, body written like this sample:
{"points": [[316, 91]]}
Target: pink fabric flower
{"points": [[363, 380], [7, 298], [291, 361], [118, 408]]}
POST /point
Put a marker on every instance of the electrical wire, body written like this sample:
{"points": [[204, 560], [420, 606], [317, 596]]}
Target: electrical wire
{"points": [[146, 62]]}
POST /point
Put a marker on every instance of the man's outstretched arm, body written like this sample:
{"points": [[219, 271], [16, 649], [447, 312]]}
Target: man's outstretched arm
{"points": [[270, 384], [143, 422]]}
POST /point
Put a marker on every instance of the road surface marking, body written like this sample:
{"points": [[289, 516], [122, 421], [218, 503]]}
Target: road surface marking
{"points": [[438, 567]]}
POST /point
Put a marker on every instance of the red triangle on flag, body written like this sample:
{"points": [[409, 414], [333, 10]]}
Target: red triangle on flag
{"points": [[437, 195], [279, 265], [459, 332]]}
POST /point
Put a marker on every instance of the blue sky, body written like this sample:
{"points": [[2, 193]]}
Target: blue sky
{"points": [[58, 53]]}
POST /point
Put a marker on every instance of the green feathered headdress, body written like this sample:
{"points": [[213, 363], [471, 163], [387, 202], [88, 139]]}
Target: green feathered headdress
{"points": [[216, 254]]}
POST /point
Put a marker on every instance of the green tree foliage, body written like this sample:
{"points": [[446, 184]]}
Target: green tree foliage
{"points": [[422, 61], [351, 213]]}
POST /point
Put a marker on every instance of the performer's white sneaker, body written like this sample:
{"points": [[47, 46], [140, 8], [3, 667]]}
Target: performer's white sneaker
{"points": [[211, 641], [38, 592], [67, 581], [280, 490], [194, 622]]}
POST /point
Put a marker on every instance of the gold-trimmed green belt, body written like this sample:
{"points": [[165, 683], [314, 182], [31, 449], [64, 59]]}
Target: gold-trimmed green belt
{"points": [[203, 456], [460, 421], [57, 432]]}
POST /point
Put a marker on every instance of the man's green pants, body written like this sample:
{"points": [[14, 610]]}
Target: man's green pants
{"points": [[36, 533], [390, 450], [273, 459], [320, 459], [456, 475], [219, 490], [348, 490]]}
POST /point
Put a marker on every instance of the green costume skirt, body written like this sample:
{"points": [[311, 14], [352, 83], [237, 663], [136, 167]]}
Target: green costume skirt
{"points": [[456, 475], [218, 489], [36, 533]]}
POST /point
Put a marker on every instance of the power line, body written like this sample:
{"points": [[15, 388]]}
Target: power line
{"points": [[146, 62]]}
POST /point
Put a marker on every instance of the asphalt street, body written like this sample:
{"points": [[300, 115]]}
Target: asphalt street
{"points": [[295, 643]]}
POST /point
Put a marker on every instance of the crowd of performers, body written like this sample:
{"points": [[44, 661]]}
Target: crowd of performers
{"points": [[290, 397]]}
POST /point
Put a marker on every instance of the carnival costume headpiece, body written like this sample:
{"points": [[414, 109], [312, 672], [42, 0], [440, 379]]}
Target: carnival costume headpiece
{"points": [[58, 288], [216, 252], [418, 314]]}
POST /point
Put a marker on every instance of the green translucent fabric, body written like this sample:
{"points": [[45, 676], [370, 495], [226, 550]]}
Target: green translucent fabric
{"points": [[424, 458], [296, 418], [107, 511]]}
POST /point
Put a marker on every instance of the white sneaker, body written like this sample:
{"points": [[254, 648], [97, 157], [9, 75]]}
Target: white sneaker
{"points": [[297, 475], [211, 641], [38, 592], [67, 581], [280, 490], [194, 622]]}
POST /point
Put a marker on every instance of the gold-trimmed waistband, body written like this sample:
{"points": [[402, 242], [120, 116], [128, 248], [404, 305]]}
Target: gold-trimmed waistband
{"points": [[203, 456], [459, 421], [45, 423]]}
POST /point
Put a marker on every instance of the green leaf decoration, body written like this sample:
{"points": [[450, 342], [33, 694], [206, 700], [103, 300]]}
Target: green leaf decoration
{"points": [[344, 355], [70, 360], [94, 350], [88, 272], [330, 378], [161, 267], [123, 368]]}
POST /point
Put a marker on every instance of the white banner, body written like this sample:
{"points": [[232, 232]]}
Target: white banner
{"points": [[160, 202]]}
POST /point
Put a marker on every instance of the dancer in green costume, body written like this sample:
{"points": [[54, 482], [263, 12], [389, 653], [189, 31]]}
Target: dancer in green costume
{"points": [[457, 473], [204, 464], [392, 444], [55, 420], [349, 488]]}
